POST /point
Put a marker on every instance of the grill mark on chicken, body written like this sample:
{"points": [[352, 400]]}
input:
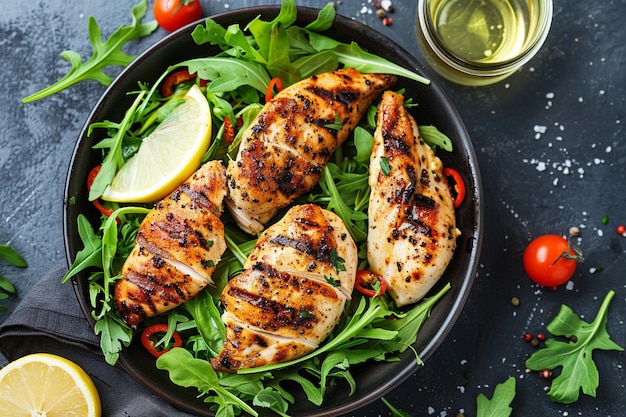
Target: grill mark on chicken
{"points": [[284, 150], [282, 306], [412, 226], [178, 244]]}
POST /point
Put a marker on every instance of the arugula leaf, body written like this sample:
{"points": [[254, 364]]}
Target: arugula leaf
{"points": [[579, 372], [90, 255], [433, 137], [10, 255], [324, 20], [104, 53], [408, 324], [227, 74], [352, 55], [114, 334], [208, 320], [337, 204], [498, 406], [187, 371], [395, 412]]}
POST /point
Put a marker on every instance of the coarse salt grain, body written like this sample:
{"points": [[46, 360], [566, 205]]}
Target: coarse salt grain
{"points": [[539, 129]]}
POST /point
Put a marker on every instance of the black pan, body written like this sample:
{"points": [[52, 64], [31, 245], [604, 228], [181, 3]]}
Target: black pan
{"points": [[373, 379]]}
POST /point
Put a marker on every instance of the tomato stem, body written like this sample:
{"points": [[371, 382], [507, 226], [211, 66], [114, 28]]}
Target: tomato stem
{"points": [[578, 253]]}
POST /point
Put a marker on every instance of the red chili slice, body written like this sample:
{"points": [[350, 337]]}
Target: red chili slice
{"points": [[150, 336], [274, 82], [90, 179], [364, 280], [459, 185], [178, 77]]}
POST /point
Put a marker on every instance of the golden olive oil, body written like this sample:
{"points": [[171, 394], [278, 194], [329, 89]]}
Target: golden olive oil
{"points": [[482, 31]]}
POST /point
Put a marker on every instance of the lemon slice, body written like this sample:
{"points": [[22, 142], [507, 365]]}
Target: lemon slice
{"points": [[42, 384], [166, 157]]}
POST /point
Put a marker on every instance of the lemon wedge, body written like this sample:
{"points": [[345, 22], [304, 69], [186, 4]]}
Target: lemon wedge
{"points": [[166, 157], [42, 384]]}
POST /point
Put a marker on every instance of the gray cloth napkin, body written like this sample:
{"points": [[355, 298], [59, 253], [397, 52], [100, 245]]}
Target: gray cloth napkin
{"points": [[49, 319]]}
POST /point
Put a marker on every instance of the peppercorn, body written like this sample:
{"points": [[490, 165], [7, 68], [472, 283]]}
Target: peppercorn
{"points": [[621, 229], [534, 342], [380, 13], [541, 337], [527, 337], [387, 21], [574, 339], [514, 301]]}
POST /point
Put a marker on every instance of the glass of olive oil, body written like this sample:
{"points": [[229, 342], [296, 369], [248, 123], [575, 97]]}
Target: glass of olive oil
{"points": [[479, 42]]}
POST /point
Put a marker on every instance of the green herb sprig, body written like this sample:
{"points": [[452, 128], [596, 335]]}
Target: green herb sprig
{"points": [[574, 356], [11, 256], [107, 53], [395, 411]]}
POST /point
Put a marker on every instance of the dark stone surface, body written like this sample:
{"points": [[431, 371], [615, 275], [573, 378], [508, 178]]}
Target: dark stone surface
{"points": [[535, 181]]}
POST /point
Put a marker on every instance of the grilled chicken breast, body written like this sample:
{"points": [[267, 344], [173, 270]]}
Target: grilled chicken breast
{"points": [[284, 150], [179, 243], [412, 227], [292, 292]]}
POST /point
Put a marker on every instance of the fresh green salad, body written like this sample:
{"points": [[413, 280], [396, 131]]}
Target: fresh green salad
{"points": [[236, 82]]}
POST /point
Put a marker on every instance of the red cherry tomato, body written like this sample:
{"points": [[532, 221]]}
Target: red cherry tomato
{"points": [[550, 260], [174, 14], [152, 334], [366, 283]]}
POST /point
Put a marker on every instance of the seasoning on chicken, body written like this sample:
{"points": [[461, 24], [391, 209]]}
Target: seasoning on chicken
{"points": [[283, 152], [179, 243], [292, 292], [412, 226]]}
